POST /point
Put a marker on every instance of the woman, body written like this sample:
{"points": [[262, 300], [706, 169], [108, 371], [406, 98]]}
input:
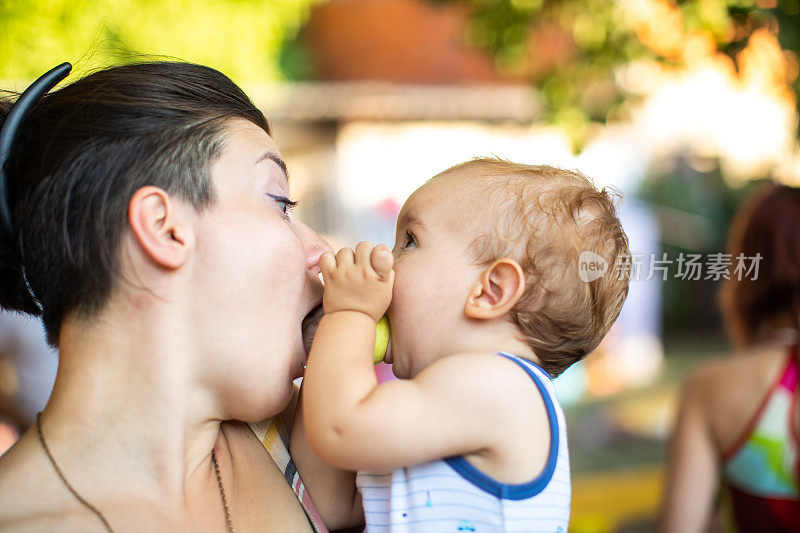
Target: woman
{"points": [[151, 228], [737, 431]]}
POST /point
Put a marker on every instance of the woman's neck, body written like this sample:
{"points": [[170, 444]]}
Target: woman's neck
{"points": [[126, 402]]}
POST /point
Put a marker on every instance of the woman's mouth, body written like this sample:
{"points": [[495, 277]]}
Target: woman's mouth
{"points": [[309, 330], [309, 326]]}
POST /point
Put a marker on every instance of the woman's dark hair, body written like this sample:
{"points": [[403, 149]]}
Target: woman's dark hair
{"points": [[767, 225], [81, 154]]}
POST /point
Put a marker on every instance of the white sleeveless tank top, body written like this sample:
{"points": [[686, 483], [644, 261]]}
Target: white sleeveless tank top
{"points": [[451, 495]]}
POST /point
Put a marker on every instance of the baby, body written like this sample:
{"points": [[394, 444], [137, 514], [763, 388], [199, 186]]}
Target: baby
{"points": [[487, 303]]}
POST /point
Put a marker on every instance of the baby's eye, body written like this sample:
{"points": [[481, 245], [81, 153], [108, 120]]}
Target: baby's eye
{"points": [[409, 240]]}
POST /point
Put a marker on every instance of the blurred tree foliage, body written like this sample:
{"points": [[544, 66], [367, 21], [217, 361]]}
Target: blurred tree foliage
{"points": [[580, 88], [239, 37]]}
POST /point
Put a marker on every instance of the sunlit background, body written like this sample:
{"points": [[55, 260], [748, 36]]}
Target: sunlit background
{"points": [[682, 106]]}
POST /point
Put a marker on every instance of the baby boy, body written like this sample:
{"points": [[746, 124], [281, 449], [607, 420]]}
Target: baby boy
{"points": [[487, 305]]}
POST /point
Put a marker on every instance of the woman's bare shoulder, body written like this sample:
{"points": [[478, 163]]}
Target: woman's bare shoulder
{"points": [[751, 368], [71, 520], [32, 496], [730, 389]]}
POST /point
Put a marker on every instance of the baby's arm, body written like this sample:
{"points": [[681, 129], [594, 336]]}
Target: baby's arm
{"points": [[355, 424], [332, 490]]}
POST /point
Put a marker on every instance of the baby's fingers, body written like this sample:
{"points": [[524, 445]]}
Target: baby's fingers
{"points": [[382, 261], [363, 251], [345, 257], [327, 264]]}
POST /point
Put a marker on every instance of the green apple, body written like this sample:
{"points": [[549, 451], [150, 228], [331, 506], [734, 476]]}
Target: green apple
{"points": [[381, 339]]}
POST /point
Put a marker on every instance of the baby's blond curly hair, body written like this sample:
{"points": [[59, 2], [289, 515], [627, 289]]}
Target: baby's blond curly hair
{"points": [[545, 218]]}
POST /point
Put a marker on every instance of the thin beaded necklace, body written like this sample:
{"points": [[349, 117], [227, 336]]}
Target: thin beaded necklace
{"points": [[96, 511]]}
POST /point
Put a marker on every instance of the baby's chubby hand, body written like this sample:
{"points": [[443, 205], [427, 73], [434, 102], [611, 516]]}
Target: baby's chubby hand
{"points": [[358, 281]]}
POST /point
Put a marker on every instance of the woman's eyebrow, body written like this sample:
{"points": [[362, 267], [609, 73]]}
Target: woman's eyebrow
{"points": [[276, 158]]}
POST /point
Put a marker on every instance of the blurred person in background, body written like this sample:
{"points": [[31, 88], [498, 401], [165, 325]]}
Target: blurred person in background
{"points": [[27, 371], [148, 221], [736, 440]]}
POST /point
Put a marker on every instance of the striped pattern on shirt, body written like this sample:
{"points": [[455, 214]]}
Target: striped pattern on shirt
{"points": [[273, 434], [451, 495]]}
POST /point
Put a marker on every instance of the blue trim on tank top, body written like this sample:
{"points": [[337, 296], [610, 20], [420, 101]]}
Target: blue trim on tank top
{"points": [[517, 491]]}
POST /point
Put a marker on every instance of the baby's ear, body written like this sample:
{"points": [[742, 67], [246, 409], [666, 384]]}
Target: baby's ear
{"points": [[496, 291]]}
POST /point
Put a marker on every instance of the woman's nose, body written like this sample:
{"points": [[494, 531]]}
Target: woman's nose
{"points": [[314, 246]]}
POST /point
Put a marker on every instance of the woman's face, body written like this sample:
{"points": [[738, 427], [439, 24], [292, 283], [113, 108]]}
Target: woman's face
{"points": [[256, 277]]}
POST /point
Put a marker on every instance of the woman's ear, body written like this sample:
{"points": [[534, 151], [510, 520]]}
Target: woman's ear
{"points": [[158, 227], [497, 290]]}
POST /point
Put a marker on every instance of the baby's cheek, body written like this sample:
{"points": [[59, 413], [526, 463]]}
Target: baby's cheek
{"points": [[398, 310]]}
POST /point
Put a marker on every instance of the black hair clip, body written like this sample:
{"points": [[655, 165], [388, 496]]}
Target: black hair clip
{"points": [[8, 133]]}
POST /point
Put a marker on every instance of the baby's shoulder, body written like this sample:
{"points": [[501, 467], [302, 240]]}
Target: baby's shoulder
{"points": [[492, 380], [491, 368], [504, 395]]}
